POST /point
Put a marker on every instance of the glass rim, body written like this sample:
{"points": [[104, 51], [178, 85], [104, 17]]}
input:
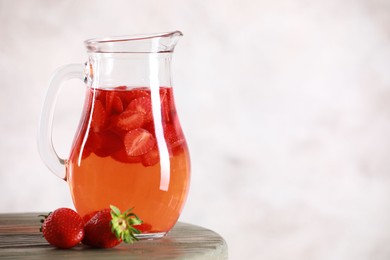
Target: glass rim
{"points": [[131, 37], [136, 43]]}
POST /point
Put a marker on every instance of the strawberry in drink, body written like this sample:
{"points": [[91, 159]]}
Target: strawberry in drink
{"points": [[131, 152]]}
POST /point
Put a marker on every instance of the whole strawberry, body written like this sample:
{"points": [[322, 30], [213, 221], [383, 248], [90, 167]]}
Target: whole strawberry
{"points": [[109, 227], [63, 228]]}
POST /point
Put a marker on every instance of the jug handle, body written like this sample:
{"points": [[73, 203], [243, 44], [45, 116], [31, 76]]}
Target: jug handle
{"points": [[45, 143]]}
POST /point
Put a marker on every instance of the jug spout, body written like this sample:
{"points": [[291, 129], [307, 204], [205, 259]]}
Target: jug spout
{"points": [[141, 43]]}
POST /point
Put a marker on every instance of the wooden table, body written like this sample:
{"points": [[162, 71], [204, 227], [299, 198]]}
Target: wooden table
{"points": [[20, 239]]}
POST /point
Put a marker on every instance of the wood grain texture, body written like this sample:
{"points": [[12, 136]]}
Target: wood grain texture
{"points": [[20, 239]]}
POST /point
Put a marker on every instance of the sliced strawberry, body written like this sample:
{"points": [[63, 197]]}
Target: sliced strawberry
{"points": [[94, 142], [103, 144], [121, 156], [163, 93], [173, 136], [82, 150], [150, 127], [99, 95], [138, 142], [111, 122], [129, 120], [98, 116], [111, 144], [151, 158], [86, 153], [143, 105], [165, 99], [113, 103], [129, 95]]}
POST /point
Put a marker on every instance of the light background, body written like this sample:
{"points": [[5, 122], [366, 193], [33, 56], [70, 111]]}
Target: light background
{"points": [[285, 106]]}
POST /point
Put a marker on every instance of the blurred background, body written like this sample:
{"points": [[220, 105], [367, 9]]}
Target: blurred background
{"points": [[285, 106]]}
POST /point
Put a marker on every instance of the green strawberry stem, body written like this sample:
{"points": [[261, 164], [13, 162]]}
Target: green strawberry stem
{"points": [[122, 224]]}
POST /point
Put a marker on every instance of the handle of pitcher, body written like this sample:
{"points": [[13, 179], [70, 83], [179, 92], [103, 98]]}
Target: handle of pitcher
{"points": [[45, 143]]}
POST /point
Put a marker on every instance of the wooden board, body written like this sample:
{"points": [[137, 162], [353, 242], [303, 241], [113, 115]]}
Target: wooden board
{"points": [[20, 239]]}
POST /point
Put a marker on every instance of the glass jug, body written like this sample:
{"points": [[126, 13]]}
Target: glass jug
{"points": [[129, 149]]}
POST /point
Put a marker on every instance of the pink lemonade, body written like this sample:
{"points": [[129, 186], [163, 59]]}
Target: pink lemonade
{"points": [[130, 153]]}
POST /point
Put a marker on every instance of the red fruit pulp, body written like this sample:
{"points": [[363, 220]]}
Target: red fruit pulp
{"points": [[119, 158]]}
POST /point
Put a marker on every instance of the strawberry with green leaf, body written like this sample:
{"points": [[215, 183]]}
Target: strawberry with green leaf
{"points": [[63, 228], [108, 227]]}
